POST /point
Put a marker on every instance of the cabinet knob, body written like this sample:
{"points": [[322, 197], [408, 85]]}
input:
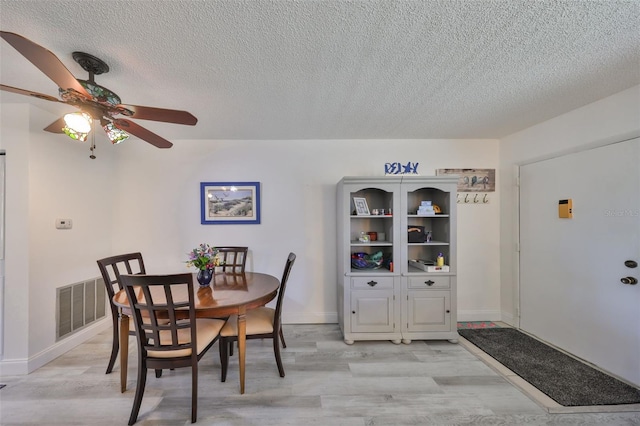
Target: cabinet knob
{"points": [[629, 280], [448, 311], [429, 283], [353, 312], [372, 283]]}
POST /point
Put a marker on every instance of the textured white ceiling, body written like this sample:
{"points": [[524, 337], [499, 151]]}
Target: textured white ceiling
{"points": [[337, 68]]}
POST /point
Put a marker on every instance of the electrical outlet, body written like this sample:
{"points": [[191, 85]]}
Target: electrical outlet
{"points": [[63, 224]]}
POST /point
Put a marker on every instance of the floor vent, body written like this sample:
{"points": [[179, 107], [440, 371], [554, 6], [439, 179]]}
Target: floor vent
{"points": [[78, 305]]}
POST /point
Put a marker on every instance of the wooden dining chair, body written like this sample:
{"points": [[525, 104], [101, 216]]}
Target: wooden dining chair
{"points": [[179, 342], [111, 269], [261, 323], [233, 258]]}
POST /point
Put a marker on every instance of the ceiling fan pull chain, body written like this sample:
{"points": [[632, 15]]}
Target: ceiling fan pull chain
{"points": [[93, 141]]}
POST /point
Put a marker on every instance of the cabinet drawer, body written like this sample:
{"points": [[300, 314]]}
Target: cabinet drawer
{"points": [[372, 282], [429, 282]]}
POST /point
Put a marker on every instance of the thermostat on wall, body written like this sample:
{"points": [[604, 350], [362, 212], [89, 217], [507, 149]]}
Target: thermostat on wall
{"points": [[63, 224]]}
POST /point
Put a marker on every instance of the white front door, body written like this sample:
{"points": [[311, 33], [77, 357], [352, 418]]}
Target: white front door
{"points": [[571, 294]]}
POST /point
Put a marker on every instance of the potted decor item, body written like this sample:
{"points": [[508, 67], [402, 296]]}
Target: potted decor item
{"points": [[204, 258]]}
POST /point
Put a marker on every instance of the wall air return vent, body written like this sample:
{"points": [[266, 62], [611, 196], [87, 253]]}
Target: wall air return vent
{"points": [[78, 305]]}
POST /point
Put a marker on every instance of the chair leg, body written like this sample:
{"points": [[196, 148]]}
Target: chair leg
{"points": [[223, 345], [194, 392], [115, 345], [284, 345], [137, 400], [276, 351]]}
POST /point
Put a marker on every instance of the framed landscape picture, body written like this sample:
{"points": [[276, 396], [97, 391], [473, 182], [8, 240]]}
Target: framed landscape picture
{"points": [[229, 203]]}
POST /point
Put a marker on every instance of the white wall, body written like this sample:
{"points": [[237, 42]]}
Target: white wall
{"points": [[48, 177], [609, 120], [137, 197], [14, 139], [159, 210]]}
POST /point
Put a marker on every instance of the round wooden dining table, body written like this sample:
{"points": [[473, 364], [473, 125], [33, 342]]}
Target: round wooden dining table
{"points": [[227, 294]]}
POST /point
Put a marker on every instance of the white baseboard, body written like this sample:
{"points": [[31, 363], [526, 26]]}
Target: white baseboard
{"points": [[310, 318], [490, 315], [332, 317], [17, 367], [509, 319]]}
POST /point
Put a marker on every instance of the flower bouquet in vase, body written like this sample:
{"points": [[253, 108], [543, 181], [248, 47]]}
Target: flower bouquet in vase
{"points": [[204, 258]]}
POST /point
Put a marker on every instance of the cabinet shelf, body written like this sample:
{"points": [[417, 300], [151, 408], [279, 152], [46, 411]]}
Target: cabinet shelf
{"points": [[416, 271], [431, 243], [372, 243], [370, 272], [423, 216]]}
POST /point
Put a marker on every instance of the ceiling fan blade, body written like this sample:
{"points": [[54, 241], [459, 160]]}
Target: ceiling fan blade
{"points": [[161, 114], [56, 126], [29, 93], [45, 61], [144, 134]]}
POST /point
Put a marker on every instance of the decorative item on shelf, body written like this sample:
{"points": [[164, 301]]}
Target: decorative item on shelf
{"points": [[427, 236], [415, 234], [428, 265], [373, 236], [367, 261], [426, 209], [204, 258], [364, 237], [362, 208]]}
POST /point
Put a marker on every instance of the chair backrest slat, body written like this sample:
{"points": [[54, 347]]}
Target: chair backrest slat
{"points": [[110, 269], [162, 305], [234, 258]]}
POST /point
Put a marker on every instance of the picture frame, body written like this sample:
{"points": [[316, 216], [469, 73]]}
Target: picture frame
{"points": [[362, 209], [229, 203], [472, 180]]}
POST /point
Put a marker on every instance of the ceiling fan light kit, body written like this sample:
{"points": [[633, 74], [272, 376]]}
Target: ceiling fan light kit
{"points": [[114, 134], [78, 125], [95, 102]]}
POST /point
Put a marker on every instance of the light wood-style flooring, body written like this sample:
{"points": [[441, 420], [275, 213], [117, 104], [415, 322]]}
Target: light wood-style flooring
{"points": [[327, 383]]}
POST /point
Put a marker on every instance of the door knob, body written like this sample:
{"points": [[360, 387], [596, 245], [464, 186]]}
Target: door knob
{"points": [[629, 280]]}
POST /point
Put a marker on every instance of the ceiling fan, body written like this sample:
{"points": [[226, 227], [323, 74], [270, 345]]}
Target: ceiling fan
{"points": [[96, 103]]}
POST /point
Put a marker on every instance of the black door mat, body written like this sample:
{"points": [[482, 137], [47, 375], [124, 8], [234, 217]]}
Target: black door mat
{"points": [[564, 379]]}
